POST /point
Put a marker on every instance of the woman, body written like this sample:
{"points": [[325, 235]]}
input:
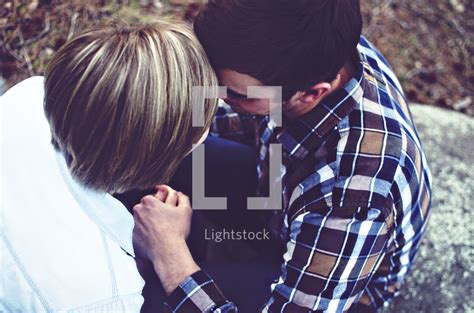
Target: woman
{"points": [[112, 113]]}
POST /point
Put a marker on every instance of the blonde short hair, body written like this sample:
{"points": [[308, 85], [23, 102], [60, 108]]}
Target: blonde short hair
{"points": [[118, 100]]}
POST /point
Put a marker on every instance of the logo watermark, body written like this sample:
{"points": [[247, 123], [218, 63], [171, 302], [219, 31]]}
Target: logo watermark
{"points": [[233, 235], [200, 201]]}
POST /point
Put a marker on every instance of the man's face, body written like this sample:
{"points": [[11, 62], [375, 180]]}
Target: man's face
{"points": [[237, 84]]}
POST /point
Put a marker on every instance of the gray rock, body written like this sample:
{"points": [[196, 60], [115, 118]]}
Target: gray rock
{"points": [[442, 278]]}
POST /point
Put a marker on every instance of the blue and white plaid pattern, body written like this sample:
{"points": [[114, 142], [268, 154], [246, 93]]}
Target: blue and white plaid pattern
{"points": [[354, 221]]}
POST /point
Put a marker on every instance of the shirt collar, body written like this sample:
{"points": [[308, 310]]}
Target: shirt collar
{"points": [[306, 133], [108, 213]]}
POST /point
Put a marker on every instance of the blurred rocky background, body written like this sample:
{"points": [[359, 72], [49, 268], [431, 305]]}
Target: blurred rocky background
{"points": [[428, 43], [441, 280]]}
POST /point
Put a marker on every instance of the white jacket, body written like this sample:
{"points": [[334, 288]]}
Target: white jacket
{"points": [[62, 247]]}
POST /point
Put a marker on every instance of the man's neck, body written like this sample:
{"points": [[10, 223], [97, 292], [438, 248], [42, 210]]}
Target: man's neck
{"points": [[343, 77]]}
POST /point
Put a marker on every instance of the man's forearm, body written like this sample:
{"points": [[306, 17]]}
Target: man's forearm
{"points": [[174, 265]]}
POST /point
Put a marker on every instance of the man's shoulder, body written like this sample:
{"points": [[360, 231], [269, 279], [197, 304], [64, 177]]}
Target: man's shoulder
{"points": [[361, 169], [377, 141], [369, 154]]}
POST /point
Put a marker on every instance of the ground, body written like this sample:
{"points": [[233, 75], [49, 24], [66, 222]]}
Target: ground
{"points": [[442, 280], [428, 42]]}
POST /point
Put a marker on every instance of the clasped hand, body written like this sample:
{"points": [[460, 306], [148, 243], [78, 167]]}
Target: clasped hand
{"points": [[162, 225]]}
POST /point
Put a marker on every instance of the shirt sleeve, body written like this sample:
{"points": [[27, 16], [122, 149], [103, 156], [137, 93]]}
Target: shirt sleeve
{"points": [[198, 293], [329, 260], [233, 126]]}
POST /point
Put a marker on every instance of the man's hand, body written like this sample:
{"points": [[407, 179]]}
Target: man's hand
{"points": [[162, 224]]}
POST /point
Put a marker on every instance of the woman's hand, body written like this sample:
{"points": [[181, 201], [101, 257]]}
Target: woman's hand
{"points": [[161, 219], [162, 224]]}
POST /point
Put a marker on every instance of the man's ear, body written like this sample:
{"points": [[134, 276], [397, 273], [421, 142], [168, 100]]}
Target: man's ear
{"points": [[315, 93]]}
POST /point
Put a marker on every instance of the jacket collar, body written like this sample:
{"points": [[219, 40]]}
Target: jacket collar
{"points": [[108, 213], [305, 134]]}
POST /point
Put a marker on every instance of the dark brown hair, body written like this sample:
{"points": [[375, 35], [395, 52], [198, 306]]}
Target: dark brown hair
{"points": [[290, 43]]}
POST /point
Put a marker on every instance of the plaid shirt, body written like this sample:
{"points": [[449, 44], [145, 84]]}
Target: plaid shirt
{"points": [[354, 221]]}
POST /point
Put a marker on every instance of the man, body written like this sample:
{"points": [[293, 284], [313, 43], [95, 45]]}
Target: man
{"points": [[356, 184]]}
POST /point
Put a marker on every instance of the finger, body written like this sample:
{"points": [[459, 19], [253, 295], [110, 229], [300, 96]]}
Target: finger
{"points": [[161, 193], [172, 198], [137, 208], [183, 200], [149, 200]]}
